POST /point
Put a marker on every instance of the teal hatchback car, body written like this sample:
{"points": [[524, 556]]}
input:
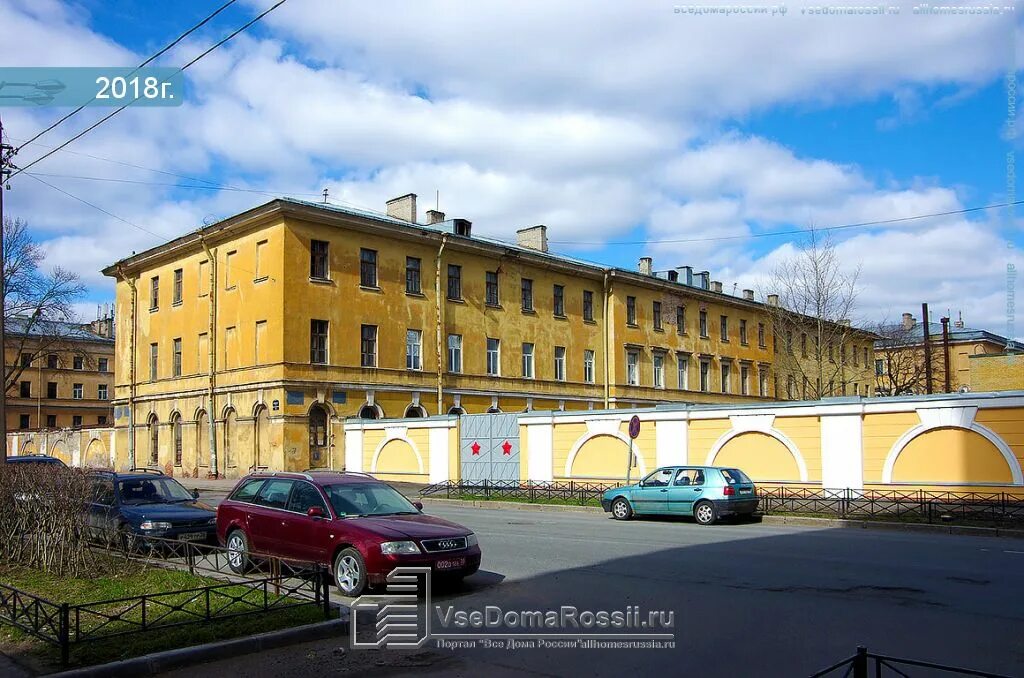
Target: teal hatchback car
{"points": [[705, 492]]}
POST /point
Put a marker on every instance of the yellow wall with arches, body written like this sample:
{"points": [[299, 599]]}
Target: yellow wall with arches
{"points": [[760, 456], [951, 455]]}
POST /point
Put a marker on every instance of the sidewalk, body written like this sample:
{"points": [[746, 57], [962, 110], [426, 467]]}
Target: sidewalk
{"points": [[225, 485]]}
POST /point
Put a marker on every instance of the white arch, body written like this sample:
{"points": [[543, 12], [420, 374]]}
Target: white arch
{"points": [[987, 433], [590, 435], [390, 436], [771, 432]]}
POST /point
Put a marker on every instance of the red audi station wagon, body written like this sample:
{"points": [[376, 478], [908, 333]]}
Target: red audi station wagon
{"points": [[357, 525]]}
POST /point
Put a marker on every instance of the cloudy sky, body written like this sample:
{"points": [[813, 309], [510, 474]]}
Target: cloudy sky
{"points": [[629, 128]]}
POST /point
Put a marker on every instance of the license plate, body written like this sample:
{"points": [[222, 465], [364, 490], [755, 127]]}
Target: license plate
{"points": [[450, 563], [192, 536], [744, 491]]}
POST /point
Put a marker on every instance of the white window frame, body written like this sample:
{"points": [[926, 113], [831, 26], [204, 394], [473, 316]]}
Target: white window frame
{"points": [[493, 357], [683, 371], [632, 367], [658, 361], [559, 363], [745, 379], [528, 361], [455, 353], [414, 349], [705, 375], [725, 371], [588, 366]]}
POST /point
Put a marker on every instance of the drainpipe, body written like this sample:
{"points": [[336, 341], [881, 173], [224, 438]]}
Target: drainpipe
{"points": [[211, 415], [131, 367], [437, 304], [604, 333]]}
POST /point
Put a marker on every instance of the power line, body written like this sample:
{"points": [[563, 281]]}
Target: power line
{"points": [[211, 187], [118, 110], [168, 47], [773, 234]]}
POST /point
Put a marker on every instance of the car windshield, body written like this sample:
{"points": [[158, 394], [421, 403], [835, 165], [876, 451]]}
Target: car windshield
{"points": [[152, 491], [368, 499], [734, 475]]}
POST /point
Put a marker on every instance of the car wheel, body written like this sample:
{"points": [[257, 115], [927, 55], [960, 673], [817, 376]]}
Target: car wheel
{"points": [[238, 552], [704, 512], [621, 510], [350, 572]]}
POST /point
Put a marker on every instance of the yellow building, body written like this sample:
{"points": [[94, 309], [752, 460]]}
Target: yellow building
{"points": [[62, 374], [900, 359], [997, 371], [249, 342]]}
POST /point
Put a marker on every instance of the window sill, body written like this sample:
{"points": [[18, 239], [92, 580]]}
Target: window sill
{"points": [[497, 307], [176, 304], [418, 295], [321, 281], [659, 329], [705, 336], [460, 300], [371, 288], [724, 341], [154, 310], [529, 311], [556, 316], [633, 326], [589, 321], [232, 288], [262, 278]]}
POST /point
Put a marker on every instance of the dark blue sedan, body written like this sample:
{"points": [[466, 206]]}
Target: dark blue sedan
{"points": [[147, 503]]}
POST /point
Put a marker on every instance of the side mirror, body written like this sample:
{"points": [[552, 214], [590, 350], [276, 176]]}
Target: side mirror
{"points": [[195, 494], [315, 512], [418, 505]]}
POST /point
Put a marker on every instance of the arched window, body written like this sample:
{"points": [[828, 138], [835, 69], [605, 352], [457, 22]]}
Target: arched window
{"points": [[493, 410], [229, 435], [261, 441], [154, 441], [458, 411], [369, 412], [176, 432], [415, 411], [317, 436]]}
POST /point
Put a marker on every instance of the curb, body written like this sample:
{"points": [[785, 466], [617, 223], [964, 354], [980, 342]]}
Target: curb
{"points": [[801, 521], [159, 662]]}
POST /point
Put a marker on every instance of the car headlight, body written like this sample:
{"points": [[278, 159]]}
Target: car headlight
{"points": [[155, 525], [471, 540], [398, 547]]}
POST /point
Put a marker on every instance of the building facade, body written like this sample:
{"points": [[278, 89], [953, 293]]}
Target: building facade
{"points": [[248, 343], [62, 374]]}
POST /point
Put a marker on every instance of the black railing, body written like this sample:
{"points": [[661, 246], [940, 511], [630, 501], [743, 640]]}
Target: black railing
{"points": [[864, 664], [990, 508]]}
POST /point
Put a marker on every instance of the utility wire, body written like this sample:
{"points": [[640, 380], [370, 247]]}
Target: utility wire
{"points": [[140, 66], [96, 207], [773, 234], [211, 187], [118, 110]]}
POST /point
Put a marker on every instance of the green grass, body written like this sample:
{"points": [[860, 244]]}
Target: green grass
{"points": [[124, 583]]}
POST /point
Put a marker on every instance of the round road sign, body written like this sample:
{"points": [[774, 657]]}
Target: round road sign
{"points": [[634, 427]]}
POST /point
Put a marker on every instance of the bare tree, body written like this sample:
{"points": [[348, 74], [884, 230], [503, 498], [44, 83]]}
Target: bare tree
{"points": [[811, 318], [900, 353], [38, 305]]}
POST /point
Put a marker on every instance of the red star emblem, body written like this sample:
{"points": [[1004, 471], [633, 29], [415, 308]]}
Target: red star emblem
{"points": [[475, 447], [506, 448]]}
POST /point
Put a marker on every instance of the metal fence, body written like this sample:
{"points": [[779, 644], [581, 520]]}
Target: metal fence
{"points": [[864, 664], [989, 508], [276, 585]]}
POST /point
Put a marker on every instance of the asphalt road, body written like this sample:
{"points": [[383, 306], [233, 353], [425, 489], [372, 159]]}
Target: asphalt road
{"points": [[749, 599]]}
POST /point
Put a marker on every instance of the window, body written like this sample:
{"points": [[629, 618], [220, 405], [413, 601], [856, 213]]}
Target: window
{"points": [[318, 341], [493, 357], [52, 361], [229, 270], [26, 359], [631, 310], [178, 274], [527, 361], [761, 339], [176, 358], [680, 320], [274, 493], [656, 310], [51, 389], [413, 350], [368, 346], [102, 392], [853, 353], [261, 260], [23, 421], [25, 389], [101, 420], [103, 365], [413, 283], [455, 353], [633, 367], [588, 305], [203, 351], [77, 391], [659, 371], [743, 331], [176, 436], [879, 367], [51, 421], [204, 278], [454, 282], [762, 382], [723, 327], [78, 362], [260, 342], [842, 355], [703, 318], [76, 421], [153, 361], [559, 363], [803, 345], [588, 366], [492, 288], [368, 268], [683, 371], [304, 497], [318, 260], [558, 295], [231, 347], [726, 374], [527, 293], [865, 356], [705, 375], [790, 387], [744, 380], [154, 293]]}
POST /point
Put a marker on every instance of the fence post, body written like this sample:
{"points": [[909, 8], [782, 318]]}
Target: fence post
{"points": [[860, 663], [190, 558], [326, 595], [65, 634], [207, 596]]}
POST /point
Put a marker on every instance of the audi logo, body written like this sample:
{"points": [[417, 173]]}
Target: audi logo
{"points": [[449, 544]]}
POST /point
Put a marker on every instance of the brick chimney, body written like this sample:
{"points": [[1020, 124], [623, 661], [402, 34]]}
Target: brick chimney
{"points": [[403, 207], [434, 217], [748, 295], [533, 238], [908, 321], [716, 286], [646, 266], [773, 300]]}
